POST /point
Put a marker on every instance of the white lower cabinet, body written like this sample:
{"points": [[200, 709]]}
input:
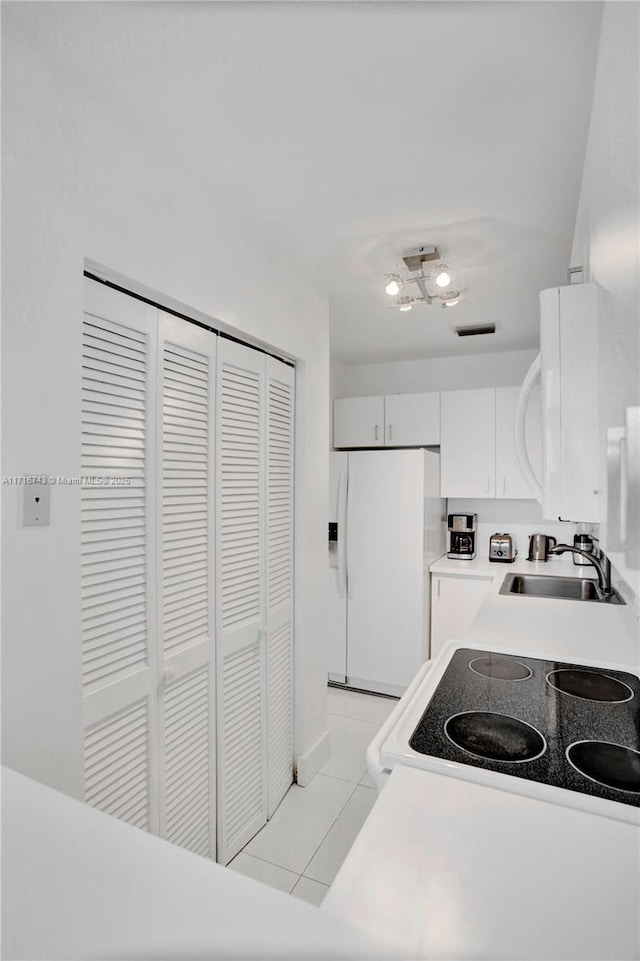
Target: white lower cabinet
{"points": [[181, 626], [455, 601]]}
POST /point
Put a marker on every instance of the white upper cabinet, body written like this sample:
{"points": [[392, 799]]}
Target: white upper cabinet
{"points": [[468, 443], [474, 428], [397, 420], [358, 422], [509, 480], [412, 420]]}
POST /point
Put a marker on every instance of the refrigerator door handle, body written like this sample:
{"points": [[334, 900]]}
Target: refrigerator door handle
{"points": [[342, 533], [347, 524], [631, 509]]}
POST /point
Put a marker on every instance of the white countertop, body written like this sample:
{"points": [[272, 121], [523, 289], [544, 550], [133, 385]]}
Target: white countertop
{"points": [[583, 631], [449, 869], [559, 565], [77, 883]]}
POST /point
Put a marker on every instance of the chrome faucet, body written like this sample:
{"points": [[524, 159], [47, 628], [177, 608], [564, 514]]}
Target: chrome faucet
{"points": [[601, 564]]}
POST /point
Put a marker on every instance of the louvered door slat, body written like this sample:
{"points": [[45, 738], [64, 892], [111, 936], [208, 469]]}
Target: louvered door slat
{"points": [[118, 407], [186, 362], [279, 582], [116, 766], [240, 579], [189, 784], [186, 384]]}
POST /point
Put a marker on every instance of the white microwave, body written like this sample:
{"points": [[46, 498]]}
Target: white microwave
{"points": [[590, 442]]}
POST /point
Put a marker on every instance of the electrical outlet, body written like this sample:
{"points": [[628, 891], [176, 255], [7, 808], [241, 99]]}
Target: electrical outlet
{"points": [[36, 505]]}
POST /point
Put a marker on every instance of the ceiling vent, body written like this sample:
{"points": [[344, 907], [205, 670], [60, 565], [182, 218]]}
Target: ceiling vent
{"points": [[476, 330]]}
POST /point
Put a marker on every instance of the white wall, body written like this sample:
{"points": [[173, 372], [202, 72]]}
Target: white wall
{"points": [[79, 182], [607, 234], [520, 518], [439, 373]]}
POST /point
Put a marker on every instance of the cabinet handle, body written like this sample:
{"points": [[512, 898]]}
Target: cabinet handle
{"points": [[504, 485], [439, 583], [488, 483], [376, 432], [390, 431]]}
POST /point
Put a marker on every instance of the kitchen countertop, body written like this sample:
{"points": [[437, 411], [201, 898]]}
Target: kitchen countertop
{"points": [[606, 635], [77, 883], [560, 565], [450, 869]]}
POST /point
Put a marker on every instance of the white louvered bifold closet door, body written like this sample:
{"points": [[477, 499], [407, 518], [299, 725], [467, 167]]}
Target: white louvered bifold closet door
{"points": [[279, 584], [240, 580], [185, 562], [147, 567], [118, 556]]}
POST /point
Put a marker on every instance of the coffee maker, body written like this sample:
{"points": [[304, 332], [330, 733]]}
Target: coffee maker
{"points": [[461, 537]]}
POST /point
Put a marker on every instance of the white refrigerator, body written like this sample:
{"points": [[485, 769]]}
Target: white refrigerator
{"points": [[387, 525]]}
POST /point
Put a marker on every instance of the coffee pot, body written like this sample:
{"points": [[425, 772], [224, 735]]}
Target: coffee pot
{"points": [[539, 546]]}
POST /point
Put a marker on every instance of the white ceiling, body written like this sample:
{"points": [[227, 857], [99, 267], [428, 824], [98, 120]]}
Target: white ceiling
{"points": [[355, 130]]}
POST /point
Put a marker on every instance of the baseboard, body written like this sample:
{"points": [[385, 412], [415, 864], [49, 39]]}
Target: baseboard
{"points": [[308, 765], [375, 687]]}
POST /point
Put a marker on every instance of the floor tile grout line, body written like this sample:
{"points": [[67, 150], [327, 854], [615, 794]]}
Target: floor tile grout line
{"points": [[360, 720], [327, 834], [336, 778], [264, 860], [353, 786], [329, 831], [313, 880]]}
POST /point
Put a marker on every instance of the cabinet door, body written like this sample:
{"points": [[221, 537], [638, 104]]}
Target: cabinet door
{"points": [[509, 480], [467, 443], [412, 419], [454, 604], [358, 422]]}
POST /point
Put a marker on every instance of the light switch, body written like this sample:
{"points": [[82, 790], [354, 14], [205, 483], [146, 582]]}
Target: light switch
{"points": [[36, 505]]}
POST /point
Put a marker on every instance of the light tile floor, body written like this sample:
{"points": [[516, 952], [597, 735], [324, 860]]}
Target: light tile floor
{"points": [[302, 847]]}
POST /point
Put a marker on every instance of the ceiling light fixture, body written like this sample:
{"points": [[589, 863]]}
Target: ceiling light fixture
{"points": [[431, 284], [450, 300], [394, 284], [405, 303], [442, 276]]}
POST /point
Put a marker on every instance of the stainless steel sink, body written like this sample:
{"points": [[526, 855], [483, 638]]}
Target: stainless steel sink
{"points": [[566, 588]]}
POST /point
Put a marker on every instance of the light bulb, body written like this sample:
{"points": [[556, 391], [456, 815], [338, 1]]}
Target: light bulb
{"points": [[442, 276], [405, 303], [394, 285], [450, 300]]}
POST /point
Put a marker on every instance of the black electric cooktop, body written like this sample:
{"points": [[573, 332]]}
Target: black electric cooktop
{"points": [[562, 724]]}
